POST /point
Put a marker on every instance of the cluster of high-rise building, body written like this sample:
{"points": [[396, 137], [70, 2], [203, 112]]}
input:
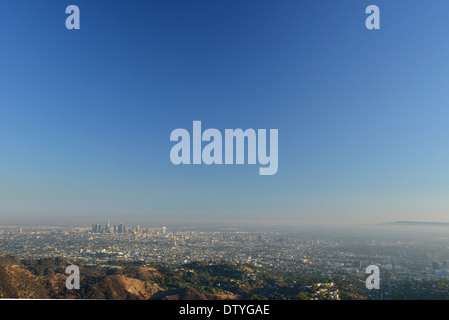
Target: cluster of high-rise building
{"points": [[108, 228], [121, 228]]}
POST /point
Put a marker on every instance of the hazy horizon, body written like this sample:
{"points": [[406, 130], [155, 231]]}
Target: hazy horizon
{"points": [[250, 225]]}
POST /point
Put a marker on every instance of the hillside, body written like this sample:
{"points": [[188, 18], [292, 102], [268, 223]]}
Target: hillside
{"points": [[45, 279], [200, 280]]}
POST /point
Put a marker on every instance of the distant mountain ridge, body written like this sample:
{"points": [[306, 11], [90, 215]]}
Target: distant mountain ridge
{"points": [[418, 223]]}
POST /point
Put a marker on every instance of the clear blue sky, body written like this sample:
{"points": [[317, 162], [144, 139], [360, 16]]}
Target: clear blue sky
{"points": [[86, 115]]}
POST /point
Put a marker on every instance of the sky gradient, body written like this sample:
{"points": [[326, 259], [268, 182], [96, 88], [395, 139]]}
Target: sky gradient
{"points": [[86, 115]]}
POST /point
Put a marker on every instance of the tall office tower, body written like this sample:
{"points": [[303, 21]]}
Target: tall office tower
{"points": [[435, 266], [108, 225], [94, 227], [137, 229], [120, 228], [164, 229]]}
